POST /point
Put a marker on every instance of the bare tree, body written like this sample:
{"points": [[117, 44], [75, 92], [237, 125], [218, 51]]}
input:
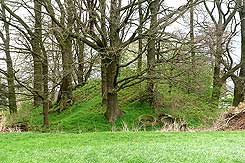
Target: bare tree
{"points": [[239, 91], [221, 22], [33, 38], [151, 50], [62, 29], [10, 71]]}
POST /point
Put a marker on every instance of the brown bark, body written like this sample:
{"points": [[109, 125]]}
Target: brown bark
{"points": [[151, 51], [223, 20], [10, 71], [240, 82], [238, 92], [140, 40], [79, 50], [62, 32], [103, 80], [44, 59], [45, 88], [112, 111], [112, 64], [217, 80], [80, 57], [35, 42], [65, 98], [102, 52], [37, 54]]}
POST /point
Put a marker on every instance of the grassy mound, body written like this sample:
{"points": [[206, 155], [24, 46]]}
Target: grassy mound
{"points": [[87, 114], [123, 147]]}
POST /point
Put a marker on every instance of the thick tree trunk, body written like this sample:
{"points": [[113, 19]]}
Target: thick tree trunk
{"points": [[112, 64], [37, 82], [102, 52], [10, 70], [40, 57], [240, 84], [217, 81], [112, 111], [37, 54], [238, 94], [65, 95], [11, 85], [151, 52]]}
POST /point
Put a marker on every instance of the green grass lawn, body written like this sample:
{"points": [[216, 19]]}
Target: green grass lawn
{"points": [[127, 147]]}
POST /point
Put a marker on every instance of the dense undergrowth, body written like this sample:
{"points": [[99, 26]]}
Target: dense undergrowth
{"points": [[87, 113]]}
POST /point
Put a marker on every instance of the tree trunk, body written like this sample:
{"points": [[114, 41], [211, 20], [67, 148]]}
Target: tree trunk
{"points": [[140, 40], [217, 86], [112, 64], [240, 84], [238, 94], [10, 70], [151, 51], [45, 94], [37, 54], [11, 85], [217, 81], [113, 111], [65, 94], [45, 88], [80, 53], [102, 52], [80, 56], [103, 80], [37, 85]]}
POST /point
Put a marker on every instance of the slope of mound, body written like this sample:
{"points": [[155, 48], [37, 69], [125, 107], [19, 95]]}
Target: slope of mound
{"points": [[87, 113]]}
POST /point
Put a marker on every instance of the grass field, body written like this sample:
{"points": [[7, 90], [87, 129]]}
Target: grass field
{"points": [[125, 147]]}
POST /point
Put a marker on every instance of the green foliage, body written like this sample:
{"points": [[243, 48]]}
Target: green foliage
{"points": [[123, 147]]}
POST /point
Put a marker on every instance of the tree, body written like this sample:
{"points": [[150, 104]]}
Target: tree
{"points": [[40, 89], [10, 71], [33, 38], [140, 48], [44, 60], [239, 91], [62, 29], [71, 39], [220, 24], [151, 50]]}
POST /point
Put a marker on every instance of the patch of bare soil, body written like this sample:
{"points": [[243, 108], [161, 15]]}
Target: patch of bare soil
{"points": [[233, 119]]}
